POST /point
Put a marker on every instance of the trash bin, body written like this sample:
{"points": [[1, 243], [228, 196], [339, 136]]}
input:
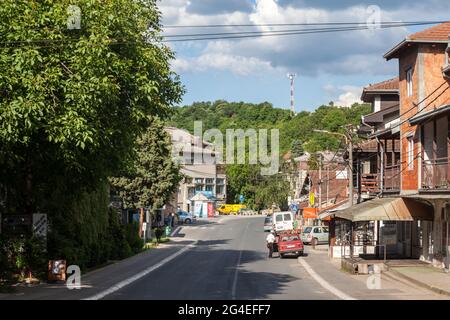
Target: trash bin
{"points": [[168, 231]]}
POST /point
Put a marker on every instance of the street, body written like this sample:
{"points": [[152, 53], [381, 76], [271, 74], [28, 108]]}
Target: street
{"points": [[223, 258], [230, 261]]}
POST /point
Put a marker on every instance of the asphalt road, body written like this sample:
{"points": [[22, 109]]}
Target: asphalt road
{"points": [[223, 258], [229, 261]]}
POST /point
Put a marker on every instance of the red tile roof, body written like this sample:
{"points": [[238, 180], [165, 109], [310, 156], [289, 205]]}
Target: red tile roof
{"points": [[439, 32], [391, 84]]}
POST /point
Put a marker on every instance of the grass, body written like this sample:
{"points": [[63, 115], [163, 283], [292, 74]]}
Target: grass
{"points": [[154, 244]]}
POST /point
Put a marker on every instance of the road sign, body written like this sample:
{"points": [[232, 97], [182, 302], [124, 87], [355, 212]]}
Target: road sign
{"points": [[311, 199]]}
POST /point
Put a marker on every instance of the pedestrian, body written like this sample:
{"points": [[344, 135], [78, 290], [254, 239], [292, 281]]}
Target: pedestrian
{"points": [[173, 220], [270, 241]]}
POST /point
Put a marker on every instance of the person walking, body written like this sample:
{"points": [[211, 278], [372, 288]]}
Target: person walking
{"points": [[270, 241]]}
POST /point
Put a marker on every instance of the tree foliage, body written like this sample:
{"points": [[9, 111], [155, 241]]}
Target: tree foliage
{"points": [[153, 177]]}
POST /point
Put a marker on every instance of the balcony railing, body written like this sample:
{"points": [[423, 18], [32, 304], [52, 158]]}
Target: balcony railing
{"points": [[435, 174], [392, 178], [370, 183]]}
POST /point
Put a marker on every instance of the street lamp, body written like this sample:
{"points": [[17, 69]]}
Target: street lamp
{"points": [[348, 141]]}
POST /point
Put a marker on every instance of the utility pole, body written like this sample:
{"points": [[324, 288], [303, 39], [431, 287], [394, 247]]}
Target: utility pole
{"points": [[291, 77], [349, 142], [350, 169], [320, 182]]}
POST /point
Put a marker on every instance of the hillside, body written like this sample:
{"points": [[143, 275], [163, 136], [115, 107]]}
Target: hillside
{"points": [[294, 131]]}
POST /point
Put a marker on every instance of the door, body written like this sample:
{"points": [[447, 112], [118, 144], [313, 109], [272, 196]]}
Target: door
{"points": [[317, 233]]}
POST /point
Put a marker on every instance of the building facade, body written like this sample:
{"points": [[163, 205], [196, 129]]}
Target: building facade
{"points": [[198, 165]]}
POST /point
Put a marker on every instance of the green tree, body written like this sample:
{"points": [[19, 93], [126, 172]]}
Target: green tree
{"points": [[72, 102], [297, 148], [152, 177]]}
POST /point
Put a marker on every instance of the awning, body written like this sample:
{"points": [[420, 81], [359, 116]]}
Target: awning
{"points": [[388, 209], [427, 115], [327, 213]]}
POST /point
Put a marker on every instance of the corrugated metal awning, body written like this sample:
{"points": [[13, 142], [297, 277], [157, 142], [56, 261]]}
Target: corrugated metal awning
{"points": [[388, 209]]}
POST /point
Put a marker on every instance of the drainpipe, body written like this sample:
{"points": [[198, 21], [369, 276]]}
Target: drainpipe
{"points": [[382, 167]]}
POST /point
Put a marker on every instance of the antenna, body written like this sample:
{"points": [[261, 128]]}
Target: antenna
{"points": [[291, 77]]}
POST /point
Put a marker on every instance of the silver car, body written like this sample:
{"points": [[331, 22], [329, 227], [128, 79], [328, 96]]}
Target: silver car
{"points": [[268, 224], [314, 234]]}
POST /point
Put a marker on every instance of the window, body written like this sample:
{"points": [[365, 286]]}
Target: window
{"points": [[410, 153], [198, 188], [307, 230], [198, 180], [287, 217], [409, 82], [219, 189], [219, 181], [209, 188], [209, 181], [317, 230], [279, 218]]}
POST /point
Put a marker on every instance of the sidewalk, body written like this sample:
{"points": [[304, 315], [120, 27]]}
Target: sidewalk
{"points": [[431, 278], [104, 278], [355, 286]]}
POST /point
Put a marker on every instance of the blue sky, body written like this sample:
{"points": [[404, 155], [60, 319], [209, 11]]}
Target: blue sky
{"points": [[330, 67]]}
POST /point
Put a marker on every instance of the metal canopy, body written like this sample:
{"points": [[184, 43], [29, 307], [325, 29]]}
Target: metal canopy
{"points": [[388, 209]]}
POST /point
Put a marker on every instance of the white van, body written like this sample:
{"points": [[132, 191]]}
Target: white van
{"points": [[283, 221]]}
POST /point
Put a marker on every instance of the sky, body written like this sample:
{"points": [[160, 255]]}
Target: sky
{"points": [[329, 66]]}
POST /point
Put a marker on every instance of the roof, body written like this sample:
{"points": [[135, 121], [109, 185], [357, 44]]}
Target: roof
{"points": [[378, 117], [388, 209], [426, 115], [436, 34], [390, 86]]}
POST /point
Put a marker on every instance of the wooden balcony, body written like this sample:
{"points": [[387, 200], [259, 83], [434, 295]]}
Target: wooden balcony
{"points": [[370, 183], [392, 178], [436, 174]]}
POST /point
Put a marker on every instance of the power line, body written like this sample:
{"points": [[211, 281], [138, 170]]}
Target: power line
{"points": [[292, 24], [283, 31]]}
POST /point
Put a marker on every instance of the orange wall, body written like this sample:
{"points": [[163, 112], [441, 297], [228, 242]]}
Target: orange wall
{"points": [[433, 60]]}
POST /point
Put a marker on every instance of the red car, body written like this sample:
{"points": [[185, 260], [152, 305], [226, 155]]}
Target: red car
{"points": [[289, 243]]}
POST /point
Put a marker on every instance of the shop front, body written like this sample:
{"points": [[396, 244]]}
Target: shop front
{"points": [[390, 228]]}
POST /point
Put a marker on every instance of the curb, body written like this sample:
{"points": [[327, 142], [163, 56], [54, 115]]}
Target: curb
{"points": [[420, 283]]}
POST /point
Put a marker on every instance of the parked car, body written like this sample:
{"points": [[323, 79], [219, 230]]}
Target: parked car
{"points": [[290, 243], [283, 221], [186, 217], [268, 224], [315, 235]]}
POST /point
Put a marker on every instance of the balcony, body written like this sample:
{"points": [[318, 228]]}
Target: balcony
{"points": [[435, 174], [370, 183], [392, 178]]}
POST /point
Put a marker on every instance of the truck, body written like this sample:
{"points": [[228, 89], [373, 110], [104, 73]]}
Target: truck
{"points": [[227, 209]]}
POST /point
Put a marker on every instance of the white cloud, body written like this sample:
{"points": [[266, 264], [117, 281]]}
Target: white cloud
{"points": [[343, 96], [238, 65], [341, 53]]}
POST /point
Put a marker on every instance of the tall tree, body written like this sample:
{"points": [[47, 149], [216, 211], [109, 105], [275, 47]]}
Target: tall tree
{"points": [[152, 177], [73, 101]]}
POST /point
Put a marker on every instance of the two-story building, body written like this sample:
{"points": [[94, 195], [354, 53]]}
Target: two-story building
{"points": [[202, 174], [425, 132], [377, 159], [410, 216]]}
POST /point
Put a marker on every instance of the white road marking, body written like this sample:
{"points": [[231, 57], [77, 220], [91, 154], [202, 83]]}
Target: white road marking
{"points": [[326, 285], [177, 229], [236, 271], [138, 276]]}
